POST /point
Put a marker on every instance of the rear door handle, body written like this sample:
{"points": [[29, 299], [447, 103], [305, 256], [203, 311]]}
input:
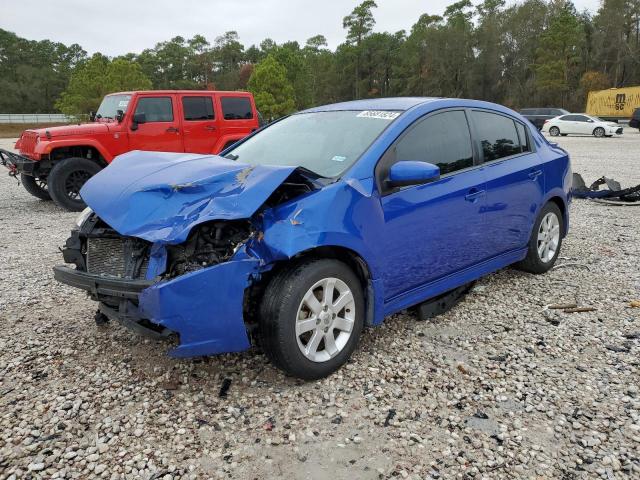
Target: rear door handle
{"points": [[210, 128], [473, 195], [535, 174], [172, 130]]}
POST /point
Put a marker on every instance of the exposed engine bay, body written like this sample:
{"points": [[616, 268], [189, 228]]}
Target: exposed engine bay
{"points": [[208, 244], [98, 249]]}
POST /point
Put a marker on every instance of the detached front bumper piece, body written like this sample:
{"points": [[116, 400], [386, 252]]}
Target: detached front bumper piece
{"points": [[17, 163], [205, 307]]}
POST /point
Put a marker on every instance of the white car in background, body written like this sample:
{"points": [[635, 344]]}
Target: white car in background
{"points": [[580, 124]]}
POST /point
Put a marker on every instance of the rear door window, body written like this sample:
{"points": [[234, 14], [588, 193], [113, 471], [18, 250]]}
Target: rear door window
{"points": [[496, 134], [236, 108], [155, 109], [197, 108], [580, 118]]}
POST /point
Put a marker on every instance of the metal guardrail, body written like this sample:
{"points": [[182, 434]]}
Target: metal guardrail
{"points": [[35, 118]]}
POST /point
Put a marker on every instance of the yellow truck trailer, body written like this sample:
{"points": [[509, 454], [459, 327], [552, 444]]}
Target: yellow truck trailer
{"points": [[614, 103]]}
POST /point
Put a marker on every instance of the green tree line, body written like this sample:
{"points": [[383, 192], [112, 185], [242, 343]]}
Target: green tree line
{"points": [[532, 53]]}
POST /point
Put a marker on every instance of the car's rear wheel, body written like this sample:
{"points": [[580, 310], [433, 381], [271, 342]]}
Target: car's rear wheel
{"points": [[554, 131], [36, 186], [311, 318], [598, 132], [545, 242], [67, 178]]}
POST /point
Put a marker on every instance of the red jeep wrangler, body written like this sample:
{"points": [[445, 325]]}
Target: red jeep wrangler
{"points": [[54, 163]]}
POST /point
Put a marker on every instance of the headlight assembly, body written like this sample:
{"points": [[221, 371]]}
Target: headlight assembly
{"points": [[84, 215]]}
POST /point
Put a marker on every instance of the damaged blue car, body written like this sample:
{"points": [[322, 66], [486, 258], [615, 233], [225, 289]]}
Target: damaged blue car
{"points": [[317, 226]]}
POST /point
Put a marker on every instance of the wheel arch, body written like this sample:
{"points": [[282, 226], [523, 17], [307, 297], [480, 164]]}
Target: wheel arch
{"points": [[370, 287], [562, 205], [88, 151]]}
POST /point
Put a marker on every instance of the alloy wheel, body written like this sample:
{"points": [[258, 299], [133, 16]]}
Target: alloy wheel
{"points": [[548, 237], [325, 319], [74, 182]]}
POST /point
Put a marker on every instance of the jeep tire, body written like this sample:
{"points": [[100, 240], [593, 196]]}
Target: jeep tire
{"points": [[67, 178], [36, 186]]}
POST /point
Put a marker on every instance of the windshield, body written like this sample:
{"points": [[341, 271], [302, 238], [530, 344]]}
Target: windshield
{"points": [[326, 143], [111, 104]]}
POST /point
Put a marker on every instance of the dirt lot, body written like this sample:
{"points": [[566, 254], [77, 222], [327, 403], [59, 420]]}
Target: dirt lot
{"points": [[499, 387]]}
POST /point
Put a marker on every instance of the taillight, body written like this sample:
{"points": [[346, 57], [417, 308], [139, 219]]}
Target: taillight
{"points": [[546, 121]]}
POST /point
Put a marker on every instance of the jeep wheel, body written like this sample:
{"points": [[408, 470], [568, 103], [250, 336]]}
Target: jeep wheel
{"points": [[311, 317], [67, 178], [36, 186]]}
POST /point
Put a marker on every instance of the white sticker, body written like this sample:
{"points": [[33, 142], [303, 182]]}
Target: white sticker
{"points": [[381, 114], [123, 103], [339, 158]]}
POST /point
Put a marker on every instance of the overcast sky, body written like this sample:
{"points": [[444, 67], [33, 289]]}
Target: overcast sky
{"points": [[115, 27]]}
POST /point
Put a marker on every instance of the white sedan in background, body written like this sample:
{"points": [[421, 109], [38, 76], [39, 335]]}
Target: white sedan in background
{"points": [[581, 124]]}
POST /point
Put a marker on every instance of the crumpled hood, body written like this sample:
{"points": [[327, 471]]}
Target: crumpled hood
{"points": [[68, 130], [160, 197]]}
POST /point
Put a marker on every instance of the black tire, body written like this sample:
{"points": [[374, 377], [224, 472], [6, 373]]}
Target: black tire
{"points": [[554, 131], [598, 132], [279, 313], [36, 186], [532, 262], [66, 179]]}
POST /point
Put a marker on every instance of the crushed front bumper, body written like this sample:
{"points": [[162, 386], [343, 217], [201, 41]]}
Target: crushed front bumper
{"points": [[205, 308], [17, 163]]}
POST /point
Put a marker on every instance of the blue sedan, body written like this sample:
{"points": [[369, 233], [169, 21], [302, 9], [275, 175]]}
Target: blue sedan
{"points": [[317, 226]]}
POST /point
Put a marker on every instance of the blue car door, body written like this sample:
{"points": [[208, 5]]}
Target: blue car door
{"points": [[431, 230], [515, 180]]}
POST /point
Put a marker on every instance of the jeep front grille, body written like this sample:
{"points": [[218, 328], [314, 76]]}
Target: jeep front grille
{"points": [[28, 142], [115, 257]]}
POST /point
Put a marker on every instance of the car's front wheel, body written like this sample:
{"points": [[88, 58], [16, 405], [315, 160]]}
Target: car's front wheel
{"points": [[598, 132], [311, 318], [545, 242], [554, 131], [67, 178]]}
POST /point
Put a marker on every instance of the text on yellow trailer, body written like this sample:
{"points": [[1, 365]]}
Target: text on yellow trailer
{"points": [[614, 103]]}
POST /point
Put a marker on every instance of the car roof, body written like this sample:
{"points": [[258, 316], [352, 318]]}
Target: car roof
{"points": [[391, 103]]}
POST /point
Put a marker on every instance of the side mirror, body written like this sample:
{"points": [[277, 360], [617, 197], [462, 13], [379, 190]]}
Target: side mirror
{"points": [[92, 116], [119, 115], [138, 118], [406, 173]]}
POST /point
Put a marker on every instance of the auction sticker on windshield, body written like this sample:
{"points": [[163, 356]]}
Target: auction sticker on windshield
{"points": [[381, 114]]}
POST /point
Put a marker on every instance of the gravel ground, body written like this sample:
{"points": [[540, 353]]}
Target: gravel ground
{"points": [[498, 387]]}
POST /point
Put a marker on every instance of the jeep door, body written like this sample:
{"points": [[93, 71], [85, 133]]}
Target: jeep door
{"points": [[158, 128], [515, 180], [238, 117], [434, 229], [199, 123]]}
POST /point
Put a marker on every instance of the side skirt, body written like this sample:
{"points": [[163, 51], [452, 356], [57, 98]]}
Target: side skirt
{"points": [[450, 282]]}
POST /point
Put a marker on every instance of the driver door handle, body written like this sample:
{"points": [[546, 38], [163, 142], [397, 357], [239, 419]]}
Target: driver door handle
{"points": [[172, 130], [210, 128]]}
